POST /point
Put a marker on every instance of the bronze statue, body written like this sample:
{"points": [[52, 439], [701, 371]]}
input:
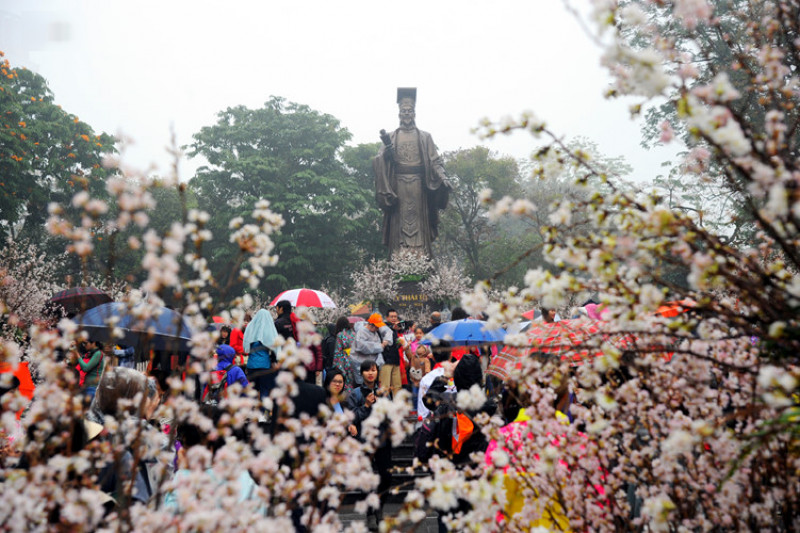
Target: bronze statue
{"points": [[410, 182]]}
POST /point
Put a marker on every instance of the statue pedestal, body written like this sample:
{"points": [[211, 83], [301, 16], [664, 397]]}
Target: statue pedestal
{"points": [[411, 302]]}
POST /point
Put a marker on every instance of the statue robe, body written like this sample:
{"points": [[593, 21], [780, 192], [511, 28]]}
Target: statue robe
{"points": [[411, 213]]}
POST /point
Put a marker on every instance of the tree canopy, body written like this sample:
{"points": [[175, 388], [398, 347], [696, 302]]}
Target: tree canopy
{"points": [[465, 227], [46, 153], [288, 154]]}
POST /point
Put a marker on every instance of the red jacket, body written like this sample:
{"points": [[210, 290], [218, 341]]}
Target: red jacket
{"points": [[237, 340]]}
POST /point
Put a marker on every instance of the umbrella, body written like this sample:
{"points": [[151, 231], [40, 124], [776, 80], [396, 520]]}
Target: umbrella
{"points": [[354, 319], [551, 338], [164, 329], [79, 299], [518, 327], [533, 314], [467, 331], [305, 298]]}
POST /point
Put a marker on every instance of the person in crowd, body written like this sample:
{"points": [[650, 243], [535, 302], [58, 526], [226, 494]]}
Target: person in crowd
{"points": [[437, 399], [392, 352], [419, 365], [261, 344], [316, 366], [334, 387], [411, 347], [237, 339], [368, 343], [341, 355], [436, 320], [458, 314], [190, 435], [328, 346], [360, 402], [117, 385], [306, 399], [225, 360], [284, 324], [441, 357], [124, 356], [548, 315], [448, 430], [224, 335], [90, 366], [361, 398], [466, 374]]}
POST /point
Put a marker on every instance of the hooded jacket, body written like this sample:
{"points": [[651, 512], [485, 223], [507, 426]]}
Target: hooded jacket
{"points": [[225, 355]]}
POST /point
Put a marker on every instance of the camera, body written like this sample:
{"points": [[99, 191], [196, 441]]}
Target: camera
{"points": [[402, 325]]}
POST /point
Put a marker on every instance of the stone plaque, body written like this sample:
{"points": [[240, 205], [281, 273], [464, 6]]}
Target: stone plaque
{"points": [[411, 301]]}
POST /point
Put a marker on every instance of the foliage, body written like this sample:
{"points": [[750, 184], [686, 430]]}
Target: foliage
{"points": [[27, 281], [286, 152], [464, 225], [46, 154], [374, 282], [689, 437], [724, 66], [446, 282]]}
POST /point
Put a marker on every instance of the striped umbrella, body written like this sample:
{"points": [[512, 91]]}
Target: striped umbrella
{"points": [[558, 339], [305, 298]]}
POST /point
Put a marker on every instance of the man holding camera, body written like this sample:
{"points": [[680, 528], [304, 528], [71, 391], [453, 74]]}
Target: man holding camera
{"points": [[392, 352]]}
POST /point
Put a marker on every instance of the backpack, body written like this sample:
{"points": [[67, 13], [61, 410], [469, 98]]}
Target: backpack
{"points": [[217, 387], [463, 428], [328, 350]]}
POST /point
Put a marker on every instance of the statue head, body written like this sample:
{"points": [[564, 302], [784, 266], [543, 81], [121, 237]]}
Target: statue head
{"points": [[406, 100]]}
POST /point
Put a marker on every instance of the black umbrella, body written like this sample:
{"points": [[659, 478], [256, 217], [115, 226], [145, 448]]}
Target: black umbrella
{"points": [[79, 299]]}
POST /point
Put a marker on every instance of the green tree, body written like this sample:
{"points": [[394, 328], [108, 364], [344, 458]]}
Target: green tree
{"points": [[46, 154], [286, 153], [465, 229]]}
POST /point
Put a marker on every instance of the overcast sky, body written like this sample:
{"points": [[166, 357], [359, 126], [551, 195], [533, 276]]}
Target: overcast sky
{"points": [[141, 67]]}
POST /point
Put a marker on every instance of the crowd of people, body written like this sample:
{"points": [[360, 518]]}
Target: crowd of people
{"points": [[355, 364]]}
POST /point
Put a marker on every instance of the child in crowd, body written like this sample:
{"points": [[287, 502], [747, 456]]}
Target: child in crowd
{"points": [[420, 363]]}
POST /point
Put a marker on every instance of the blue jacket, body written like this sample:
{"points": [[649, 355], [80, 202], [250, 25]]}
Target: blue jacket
{"points": [[260, 356], [225, 355]]}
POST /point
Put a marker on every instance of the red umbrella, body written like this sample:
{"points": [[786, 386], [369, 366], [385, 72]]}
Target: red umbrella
{"points": [[533, 314], [305, 298], [551, 338], [79, 299]]}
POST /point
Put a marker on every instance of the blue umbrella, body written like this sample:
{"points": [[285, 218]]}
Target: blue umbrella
{"points": [[467, 331], [165, 329]]}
